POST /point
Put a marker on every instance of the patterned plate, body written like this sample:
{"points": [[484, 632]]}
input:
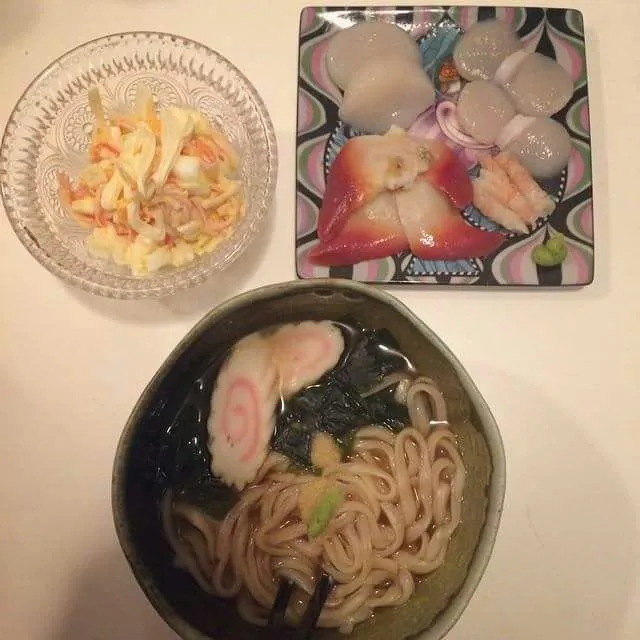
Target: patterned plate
{"points": [[557, 33]]}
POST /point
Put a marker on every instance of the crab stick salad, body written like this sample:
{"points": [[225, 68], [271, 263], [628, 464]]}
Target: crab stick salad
{"points": [[160, 188]]}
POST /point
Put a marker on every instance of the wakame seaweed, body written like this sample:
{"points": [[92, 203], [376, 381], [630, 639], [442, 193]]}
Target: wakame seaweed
{"points": [[335, 405], [185, 459], [373, 356]]}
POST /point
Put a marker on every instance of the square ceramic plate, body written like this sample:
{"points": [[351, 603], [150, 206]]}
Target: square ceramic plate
{"points": [[557, 33]]}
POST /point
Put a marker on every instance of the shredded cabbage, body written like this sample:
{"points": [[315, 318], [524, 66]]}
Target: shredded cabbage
{"points": [[160, 189]]}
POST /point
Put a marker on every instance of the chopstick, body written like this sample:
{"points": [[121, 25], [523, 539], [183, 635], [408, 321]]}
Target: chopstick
{"points": [[276, 617], [312, 612], [306, 626]]}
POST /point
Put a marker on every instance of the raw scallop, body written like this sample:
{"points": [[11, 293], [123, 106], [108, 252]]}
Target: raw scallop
{"points": [[513, 129], [386, 91], [510, 66], [304, 353], [350, 48], [481, 50], [484, 110], [543, 148], [540, 87]]}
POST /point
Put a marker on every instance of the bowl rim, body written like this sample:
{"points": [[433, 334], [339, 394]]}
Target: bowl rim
{"points": [[28, 240], [447, 617]]}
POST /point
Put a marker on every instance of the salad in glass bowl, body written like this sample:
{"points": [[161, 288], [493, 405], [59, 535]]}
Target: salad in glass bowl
{"points": [[161, 187], [138, 164]]}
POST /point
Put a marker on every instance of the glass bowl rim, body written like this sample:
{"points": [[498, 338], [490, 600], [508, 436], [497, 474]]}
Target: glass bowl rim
{"points": [[167, 288]]}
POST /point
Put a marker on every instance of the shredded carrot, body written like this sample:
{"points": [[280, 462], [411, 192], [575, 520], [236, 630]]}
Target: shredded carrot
{"points": [[164, 204], [124, 124], [81, 192], [84, 220], [102, 151]]}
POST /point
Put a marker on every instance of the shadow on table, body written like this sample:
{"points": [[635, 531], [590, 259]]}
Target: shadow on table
{"points": [[16, 17], [191, 302], [600, 130], [134, 2], [567, 548], [106, 604]]}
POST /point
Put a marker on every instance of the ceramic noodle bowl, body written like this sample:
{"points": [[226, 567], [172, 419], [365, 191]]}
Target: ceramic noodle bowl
{"points": [[181, 387]]}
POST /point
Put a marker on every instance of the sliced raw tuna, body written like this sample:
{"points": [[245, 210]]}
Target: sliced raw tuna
{"points": [[374, 231], [447, 173], [364, 168], [436, 231]]}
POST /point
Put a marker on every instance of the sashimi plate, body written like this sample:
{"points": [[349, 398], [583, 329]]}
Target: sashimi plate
{"points": [[555, 33]]}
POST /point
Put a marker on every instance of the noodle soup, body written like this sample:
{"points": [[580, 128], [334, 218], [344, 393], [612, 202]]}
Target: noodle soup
{"points": [[364, 461]]}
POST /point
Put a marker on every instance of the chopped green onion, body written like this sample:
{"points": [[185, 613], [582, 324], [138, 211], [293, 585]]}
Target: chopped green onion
{"points": [[324, 510]]}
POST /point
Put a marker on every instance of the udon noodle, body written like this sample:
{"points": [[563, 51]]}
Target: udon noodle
{"points": [[404, 493]]}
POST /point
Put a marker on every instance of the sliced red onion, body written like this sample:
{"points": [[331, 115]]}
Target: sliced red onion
{"points": [[422, 127], [509, 67], [448, 121], [514, 128]]}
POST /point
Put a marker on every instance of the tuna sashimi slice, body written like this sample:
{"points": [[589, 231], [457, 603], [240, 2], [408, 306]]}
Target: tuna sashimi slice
{"points": [[364, 168], [447, 173], [242, 418], [372, 232], [436, 231], [304, 352]]}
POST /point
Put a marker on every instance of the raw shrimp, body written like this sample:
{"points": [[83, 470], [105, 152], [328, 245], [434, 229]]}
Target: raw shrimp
{"points": [[484, 198], [503, 189], [539, 200], [506, 193]]}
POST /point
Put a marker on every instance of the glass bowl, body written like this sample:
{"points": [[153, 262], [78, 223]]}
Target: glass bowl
{"points": [[49, 129]]}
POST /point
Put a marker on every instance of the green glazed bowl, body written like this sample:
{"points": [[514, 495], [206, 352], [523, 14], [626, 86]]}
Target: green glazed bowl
{"points": [[441, 598]]}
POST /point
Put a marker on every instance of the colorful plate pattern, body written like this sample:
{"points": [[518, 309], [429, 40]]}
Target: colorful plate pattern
{"points": [[558, 33]]}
